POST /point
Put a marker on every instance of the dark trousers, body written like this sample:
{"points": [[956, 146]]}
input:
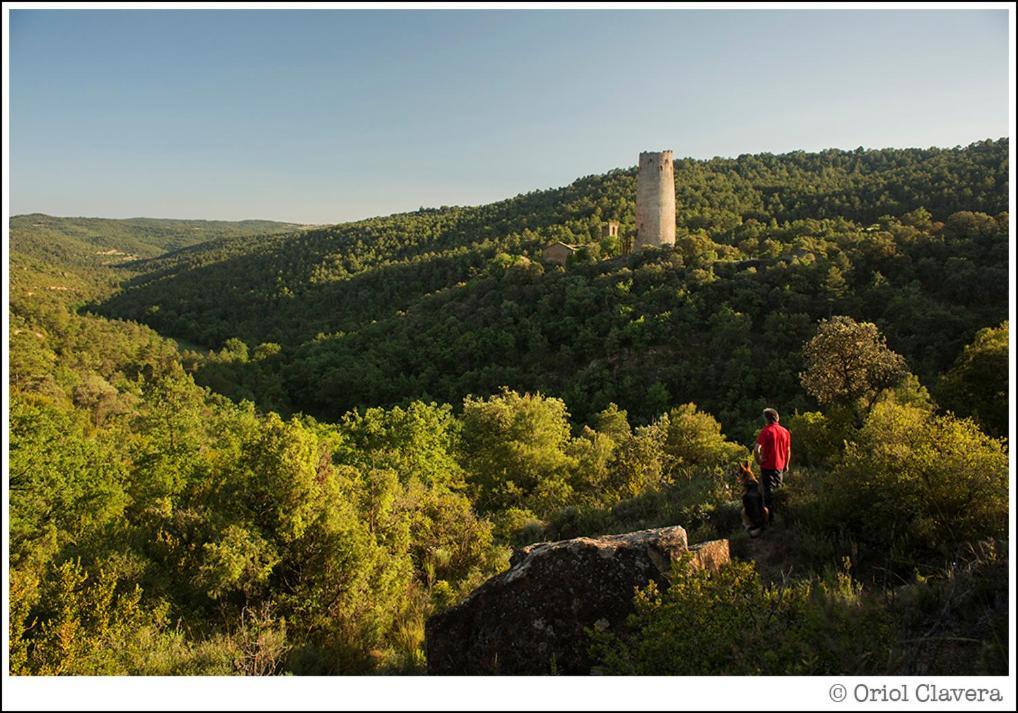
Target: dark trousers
{"points": [[771, 480]]}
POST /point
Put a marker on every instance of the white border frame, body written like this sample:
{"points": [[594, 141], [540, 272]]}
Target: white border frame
{"points": [[487, 693]]}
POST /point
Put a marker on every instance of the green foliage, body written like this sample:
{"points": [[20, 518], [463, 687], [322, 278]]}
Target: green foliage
{"points": [[639, 461], [695, 439], [99, 241], [517, 527], [453, 550], [849, 364], [514, 448], [418, 442], [97, 630], [820, 437], [140, 499], [440, 304], [240, 562], [64, 484], [976, 386], [956, 619], [729, 622], [463, 397], [913, 482]]}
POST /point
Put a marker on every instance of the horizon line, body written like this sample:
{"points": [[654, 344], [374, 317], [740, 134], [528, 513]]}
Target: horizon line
{"points": [[500, 200]]}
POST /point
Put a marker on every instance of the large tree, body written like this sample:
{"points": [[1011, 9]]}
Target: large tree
{"points": [[848, 363]]}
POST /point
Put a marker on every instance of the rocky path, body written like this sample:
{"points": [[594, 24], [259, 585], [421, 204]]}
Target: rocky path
{"points": [[772, 552]]}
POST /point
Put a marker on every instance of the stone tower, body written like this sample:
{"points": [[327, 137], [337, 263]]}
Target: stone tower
{"points": [[655, 200]]}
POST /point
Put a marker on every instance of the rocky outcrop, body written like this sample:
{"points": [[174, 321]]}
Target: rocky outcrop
{"points": [[533, 618]]}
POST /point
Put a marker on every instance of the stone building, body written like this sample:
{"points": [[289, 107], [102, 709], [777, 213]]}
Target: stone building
{"points": [[610, 229], [655, 200], [557, 252]]}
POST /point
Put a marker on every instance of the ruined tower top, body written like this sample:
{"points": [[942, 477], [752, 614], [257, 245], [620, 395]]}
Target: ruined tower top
{"points": [[655, 200], [656, 155]]}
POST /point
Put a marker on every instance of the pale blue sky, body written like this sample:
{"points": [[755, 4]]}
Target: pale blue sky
{"points": [[330, 115]]}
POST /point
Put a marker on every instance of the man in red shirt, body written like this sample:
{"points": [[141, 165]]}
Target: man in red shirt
{"points": [[773, 451]]}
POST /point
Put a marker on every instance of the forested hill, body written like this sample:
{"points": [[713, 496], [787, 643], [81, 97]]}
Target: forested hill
{"points": [[294, 286], [104, 241], [441, 303]]}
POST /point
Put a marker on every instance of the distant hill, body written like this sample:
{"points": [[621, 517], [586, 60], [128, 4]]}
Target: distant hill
{"points": [[105, 241], [77, 260]]}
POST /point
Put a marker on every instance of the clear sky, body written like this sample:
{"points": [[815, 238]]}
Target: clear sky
{"points": [[320, 116]]}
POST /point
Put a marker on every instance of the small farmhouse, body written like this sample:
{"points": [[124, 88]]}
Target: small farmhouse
{"points": [[557, 252]]}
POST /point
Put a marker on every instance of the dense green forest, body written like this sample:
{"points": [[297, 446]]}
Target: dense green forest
{"points": [[446, 303], [99, 241], [265, 449]]}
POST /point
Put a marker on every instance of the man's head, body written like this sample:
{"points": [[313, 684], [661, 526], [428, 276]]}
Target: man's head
{"points": [[770, 415]]}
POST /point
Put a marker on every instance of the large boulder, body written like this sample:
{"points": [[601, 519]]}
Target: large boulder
{"points": [[533, 618]]}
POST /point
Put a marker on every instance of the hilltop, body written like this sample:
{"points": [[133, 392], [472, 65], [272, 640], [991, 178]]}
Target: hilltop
{"points": [[446, 302], [106, 241], [89, 257], [313, 280]]}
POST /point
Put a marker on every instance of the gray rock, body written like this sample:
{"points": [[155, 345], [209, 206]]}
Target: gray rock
{"points": [[533, 618]]}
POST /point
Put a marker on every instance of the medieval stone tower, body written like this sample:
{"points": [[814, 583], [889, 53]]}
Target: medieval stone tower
{"points": [[655, 200]]}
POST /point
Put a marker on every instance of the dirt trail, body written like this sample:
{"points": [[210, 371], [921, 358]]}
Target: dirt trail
{"points": [[771, 552]]}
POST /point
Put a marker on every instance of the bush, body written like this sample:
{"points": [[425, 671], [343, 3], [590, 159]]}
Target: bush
{"points": [[818, 438], [97, 628], [514, 450], [517, 527], [956, 620], [977, 384], [695, 439], [729, 622], [917, 482], [818, 535]]}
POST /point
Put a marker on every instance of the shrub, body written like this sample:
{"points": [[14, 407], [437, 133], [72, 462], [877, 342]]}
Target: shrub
{"points": [[97, 628], [818, 438], [956, 619], [241, 561], [729, 622], [915, 481], [695, 439], [514, 450], [976, 385], [637, 462], [517, 527]]}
